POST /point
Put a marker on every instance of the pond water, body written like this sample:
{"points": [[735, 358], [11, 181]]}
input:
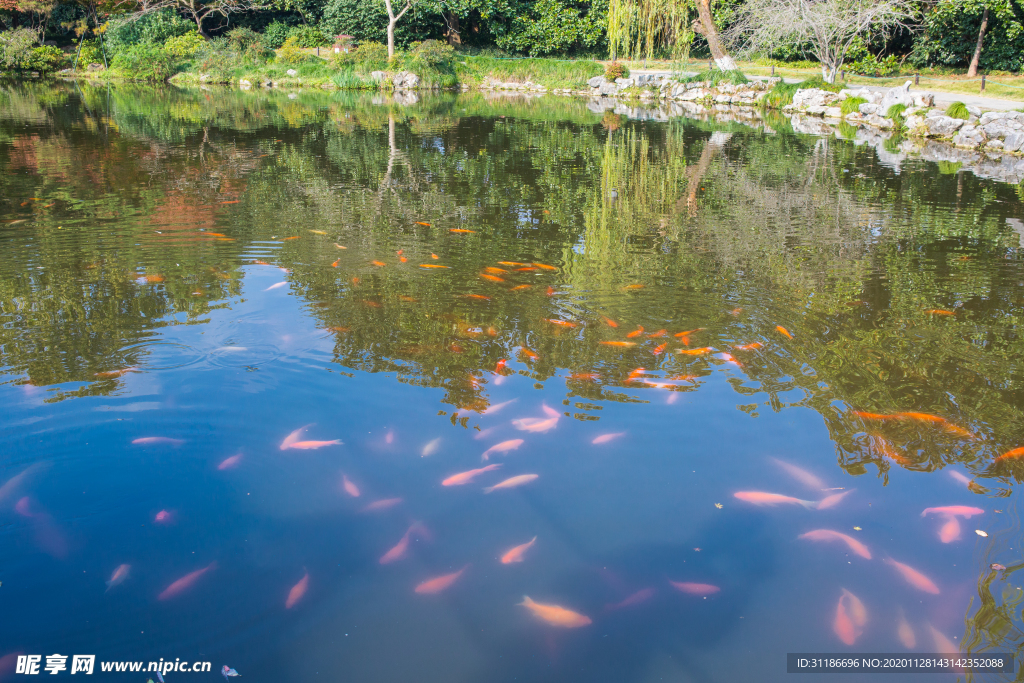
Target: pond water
{"points": [[247, 338]]}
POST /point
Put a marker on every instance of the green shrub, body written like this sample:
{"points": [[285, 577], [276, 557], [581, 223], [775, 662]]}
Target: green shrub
{"points": [[821, 84], [434, 62], [958, 110], [154, 28], [370, 56], [847, 131], [145, 62], [367, 20], [895, 112], [184, 47], [307, 36], [16, 49], [89, 54], [275, 34], [715, 76], [218, 60], [851, 105], [291, 52], [780, 95], [47, 59], [616, 70]]}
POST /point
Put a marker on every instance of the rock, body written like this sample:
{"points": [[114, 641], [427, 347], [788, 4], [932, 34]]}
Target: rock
{"points": [[244, 84], [94, 66], [1013, 142], [292, 72], [867, 108], [969, 136], [813, 97], [595, 82], [994, 144], [816, 109], [834, 112], [608, 88], [924, 100], [624, 83], [292, 96], [203, 78], [899, 95], [943, 126], [378, 75], [69, 70], [692, 94], [973, 111]]}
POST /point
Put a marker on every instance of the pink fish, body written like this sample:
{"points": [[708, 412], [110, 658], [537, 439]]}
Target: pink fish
{"points": [[294, 437], [152, 440], [350, 488], [913, 577], [904, 631], [950, 531], [313, 445], [164, 517], [24, 507], [297, 591], [833, 500], [954, 511], [641, 596], [484, 433], [536, 424], [960, 477], [389, 438], [849, 621], [228, 463], [185, 582], [382, 504], [119, 575], [503, 447], [516, 554], [605, 438], [438, 584], [829, 535], [803, 476], [762, 498], [512, 482], [275, 286], [402, 547], [550, 412], [496, 407], [695, 588], [468, 476]]}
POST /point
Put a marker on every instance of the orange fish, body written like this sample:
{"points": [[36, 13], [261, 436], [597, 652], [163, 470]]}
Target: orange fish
{"points": [[736, 311], [695, 588], [762, 498], [339, 246], [119, 575], [659, 333], [185, 582], [696, 352], [355, 281], [635, 333], [475, 296], [492, 278], [499, 367], [402, 547], [753, 346], [1015, 453], [111, 374], [950, 531], [783, 331], [231, 202], [584, 376], [550, 291], [660, 348], [382, 504], [639, 372], [431, 265], [510, 263], [339, 329], [519, 287], [460, 230], [516, 554], [555, 615], [349, 487], [525, 269], [215, 234], [154, 278], [513, 482], [687, 333], [544, 266], [532, 355], [618, 343], [313, 445], [922, 417], [913, 577], [830, 535], [402, 259], [468, 476], [629, 287], [335, 264], [939, 311], [495, 271], [440, 583], [560, 323], [290, 238], [297, 591], [609, 322], [423, 223], [874, 416], [407, 299]]}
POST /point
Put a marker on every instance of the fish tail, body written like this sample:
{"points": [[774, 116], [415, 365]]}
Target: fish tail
{"points": [[810, 504], [526, 601], [489, 489]]}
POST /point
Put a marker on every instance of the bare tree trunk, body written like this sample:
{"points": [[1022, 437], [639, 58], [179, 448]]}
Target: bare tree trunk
{"points": [[972, 70], [391, 37], [452, 29], [706, 27]]}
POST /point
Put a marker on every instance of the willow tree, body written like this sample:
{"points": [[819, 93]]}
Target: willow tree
{"points": [[637, 27]]}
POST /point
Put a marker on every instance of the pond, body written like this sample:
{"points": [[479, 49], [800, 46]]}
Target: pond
{"points": [[325, 387]]}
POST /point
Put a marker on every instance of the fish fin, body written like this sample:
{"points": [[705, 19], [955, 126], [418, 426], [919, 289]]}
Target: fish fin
{"points": [[810, 504]]}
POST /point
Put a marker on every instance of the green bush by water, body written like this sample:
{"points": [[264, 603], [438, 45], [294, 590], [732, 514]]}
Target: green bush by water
{"points": [[958, 110], [851, 105], [716, 76]]}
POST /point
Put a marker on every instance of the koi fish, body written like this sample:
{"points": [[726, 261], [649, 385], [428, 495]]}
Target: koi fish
{"points": [[525, 269], [339, 246], [687, 333], [848, 625], [185, 582], [609, 322], [349, 487], [943, 645], [431, 265], [913, 577], [954, 511], [555, 615], [152, 440], [382, 504], [460, 230], [641, 596], [532, 355], [495, 271], [276, 285], [402, 547], [294, 437], [735, 311], [228, 463], [290, 238], [584, 376], [434, 256], [659, 333], [335, 264], [1015, 453], [313, 445], [762, 498], [520, 287], [440, 583], [830, 535], [801, 475], [536, 424], [904, 631], [922, 417], [475, 296], [234, 201], [939, 311], [510, 263], [636, 333], [560, 323], [704, 350], [492, 278], [695, 588], [297, 591], [163, 517], [516, 554], [950, 531], [119, 576], [960, 477], [550, 291], [624, 344], [402, 259], [783, 331], [544, 266], [503, 447], [111, 374], [379, 264], [659, 349], [633, 287], [874, 416], [423, 223], [605, 438], [318, 232], [513, 482], [407, 299], [497, 406], [468, 476], [753, 346], [833, 500], [430, 448]]}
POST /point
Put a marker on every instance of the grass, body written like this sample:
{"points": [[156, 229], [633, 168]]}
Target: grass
{"points": [[958, 110], [551, 73], [852, 104], [714, 77]]}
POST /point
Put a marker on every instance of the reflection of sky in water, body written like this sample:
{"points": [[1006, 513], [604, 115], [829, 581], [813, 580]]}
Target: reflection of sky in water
{"points": [[616, 523]]}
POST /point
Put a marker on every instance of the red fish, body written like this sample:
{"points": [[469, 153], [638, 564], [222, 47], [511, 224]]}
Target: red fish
{"points": [[423, 223], [849, 622], [520, 287], [532, 355], [939, 311], [499, 367], [297, 591], [516, 554], [753, 346], [313, 445], [584, 376], [164, 517], [536, 424], [624, 344], [544, 266], [1015, 453], [950, 531], [335, 264], [551, 291], [830, 535], [703, 351], [460, 230], [440, 583], [874, 416], [119, 576], [402, 547], [185, 582], [495, 271], [492, 278], [913, 577], [476, 296], [833, 500], [468, 476], [695, 588], [228, 463], [379, 264]]}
